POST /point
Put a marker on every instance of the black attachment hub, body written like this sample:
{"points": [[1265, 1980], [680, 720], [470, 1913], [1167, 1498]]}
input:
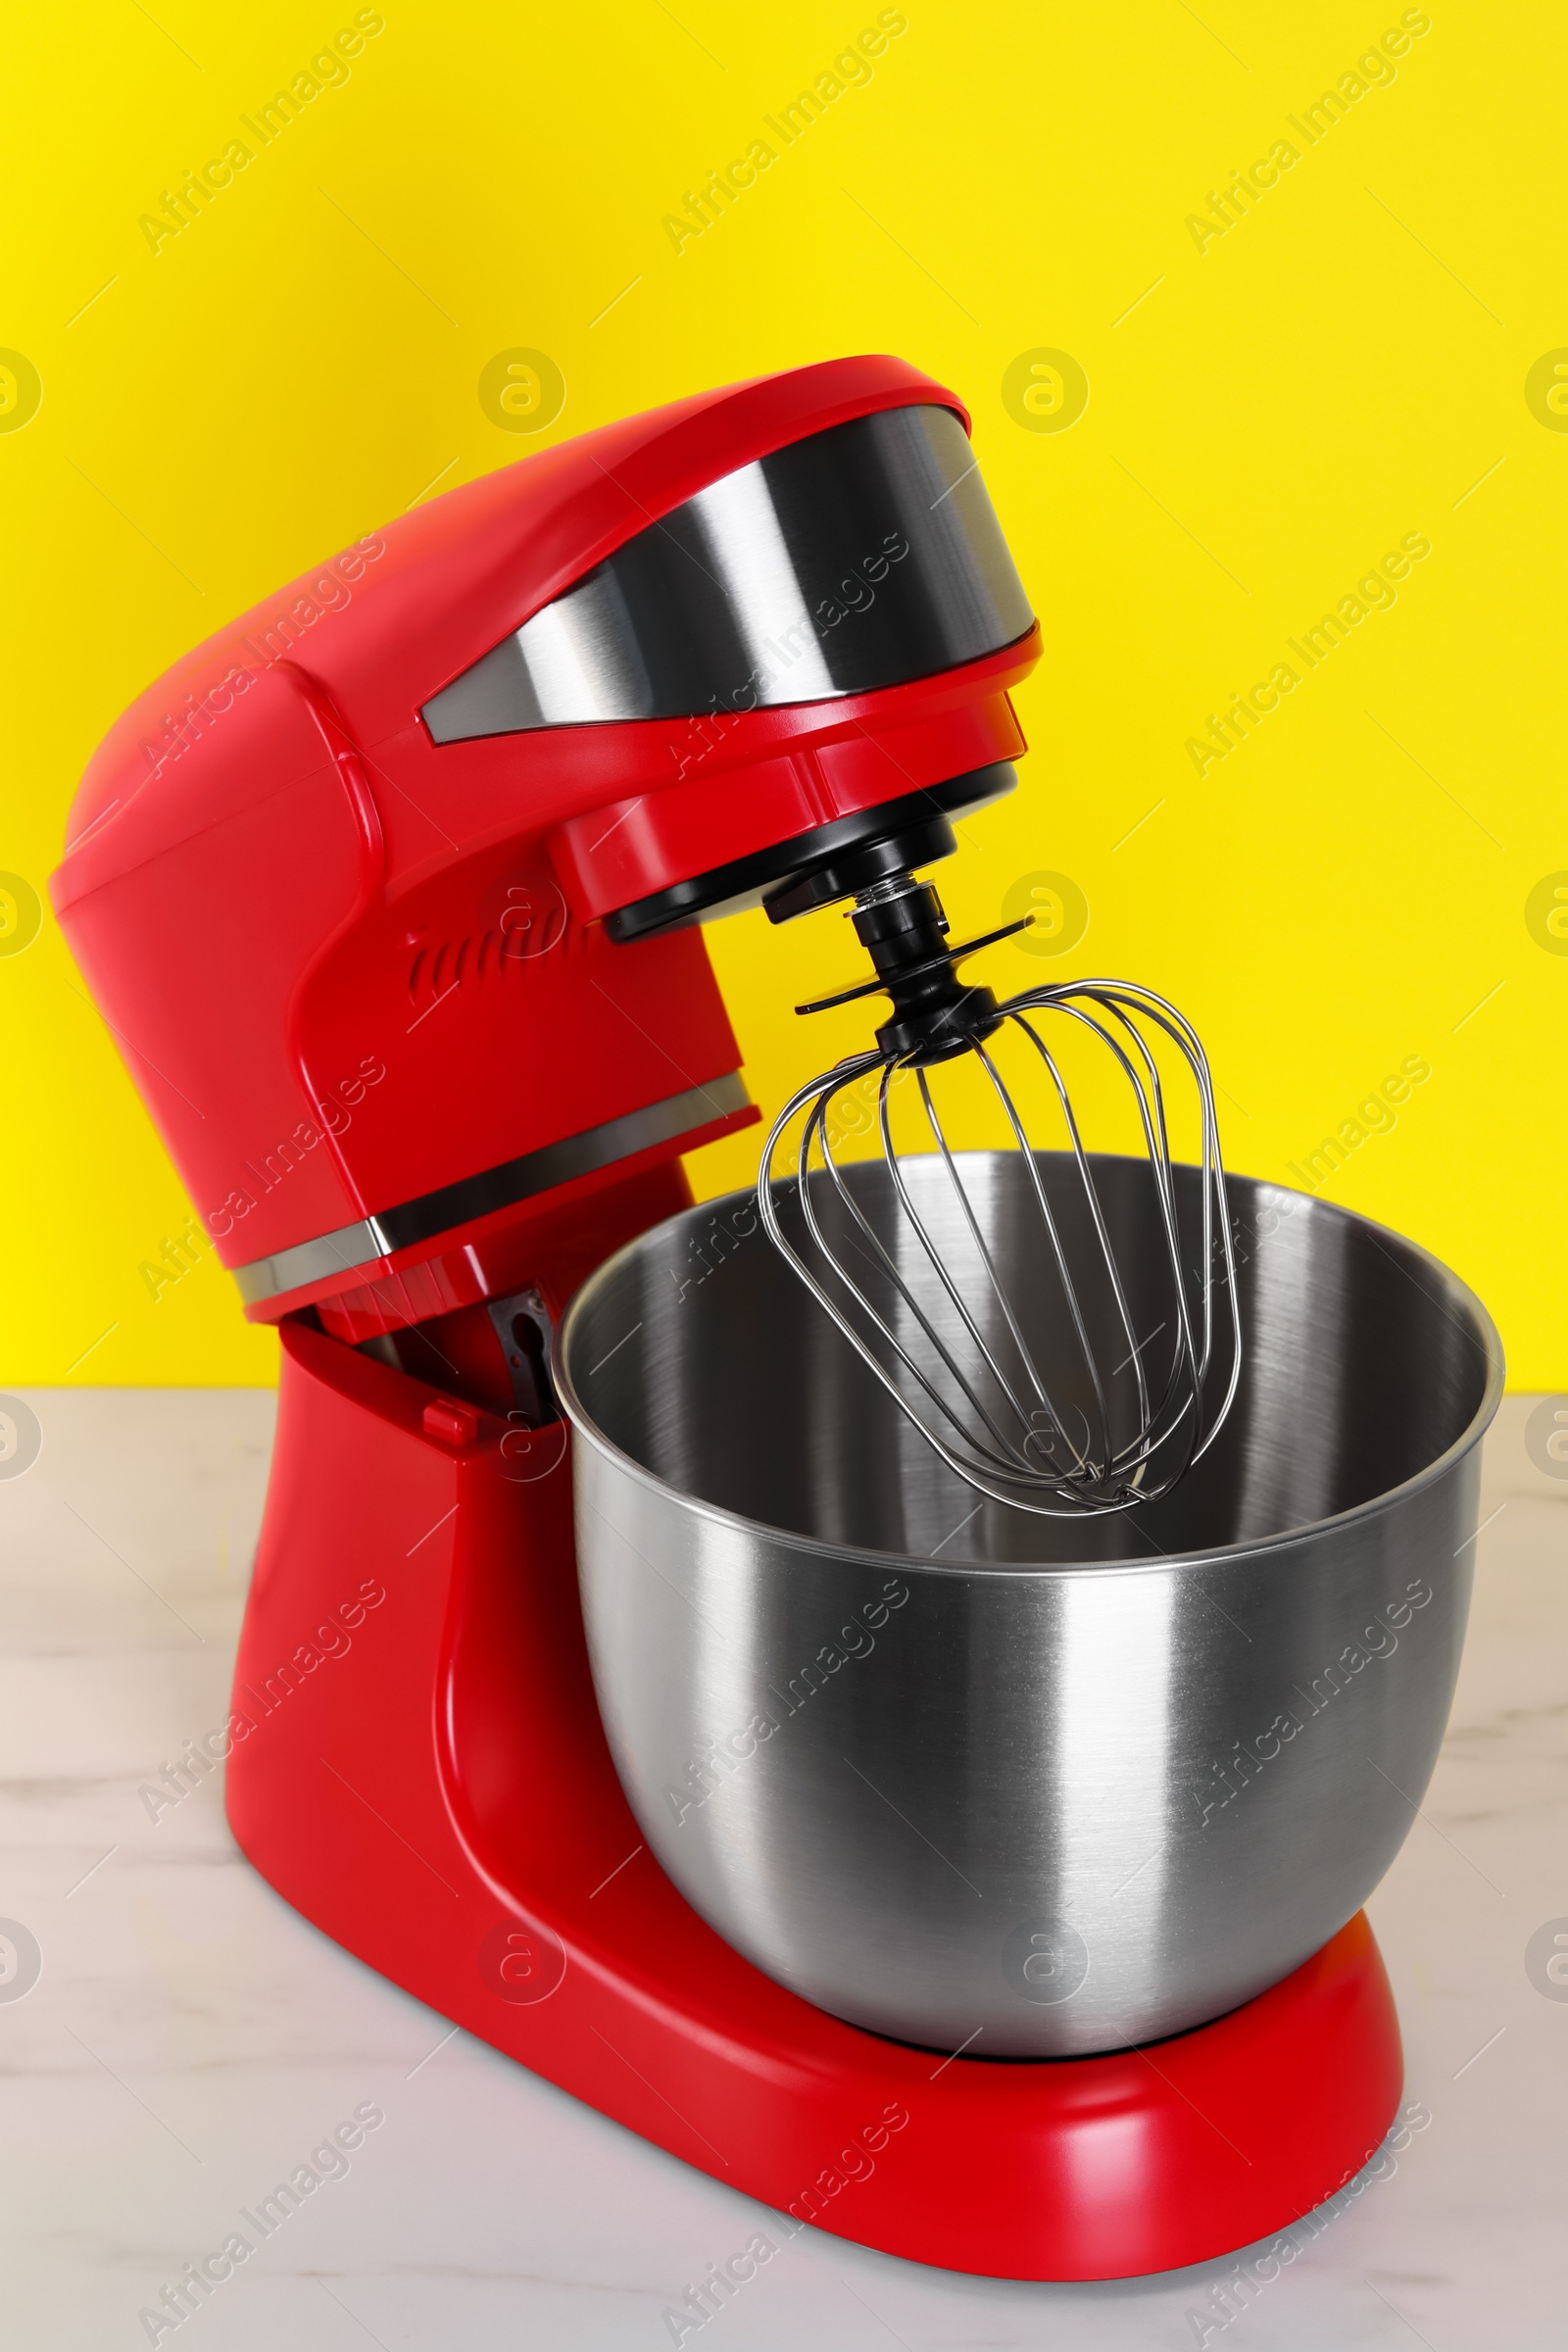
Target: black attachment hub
{"points": [[935, 1014], [859, 869]]}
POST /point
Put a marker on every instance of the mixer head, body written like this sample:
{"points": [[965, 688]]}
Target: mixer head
{"points": [[391, 891], [926, 1311]]}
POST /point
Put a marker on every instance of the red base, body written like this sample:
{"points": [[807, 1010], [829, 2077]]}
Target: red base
{"points": [[431, 1786]]}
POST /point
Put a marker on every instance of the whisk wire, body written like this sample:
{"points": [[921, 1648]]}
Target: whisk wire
{"points": [[817, 1127], [1172, 1022], [998, 1288], [1151, 1117], [1096, 1218], [944, 1272], [1063, 1269], [972, 1381]]}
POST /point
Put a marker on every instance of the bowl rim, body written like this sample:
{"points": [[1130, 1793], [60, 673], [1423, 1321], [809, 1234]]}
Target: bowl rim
{"points": [[864, 1556]]}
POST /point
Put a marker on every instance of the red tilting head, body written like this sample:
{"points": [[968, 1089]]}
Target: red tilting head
{"points": [[388, 890]]}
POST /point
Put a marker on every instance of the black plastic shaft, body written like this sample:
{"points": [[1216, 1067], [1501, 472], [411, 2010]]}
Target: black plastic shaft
{"points": [[935, 1013]]}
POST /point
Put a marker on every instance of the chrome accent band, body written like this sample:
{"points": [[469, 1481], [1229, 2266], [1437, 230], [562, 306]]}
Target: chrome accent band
{"points": [[355, 1247], [862, 557]]}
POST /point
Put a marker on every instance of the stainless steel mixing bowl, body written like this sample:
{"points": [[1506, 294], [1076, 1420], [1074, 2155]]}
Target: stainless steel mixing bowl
{"points": [[1028, 1786]]}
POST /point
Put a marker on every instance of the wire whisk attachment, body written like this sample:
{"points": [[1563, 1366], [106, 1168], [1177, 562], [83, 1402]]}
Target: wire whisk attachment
{"points": [[1043, 1394]]}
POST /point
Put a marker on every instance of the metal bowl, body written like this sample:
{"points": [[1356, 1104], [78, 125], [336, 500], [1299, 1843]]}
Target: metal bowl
{"points": [[1027, 1787]]}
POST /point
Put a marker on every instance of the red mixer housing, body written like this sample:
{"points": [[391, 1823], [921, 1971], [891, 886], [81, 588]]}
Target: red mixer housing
{"points": [[380, 962], [426, 1021]]}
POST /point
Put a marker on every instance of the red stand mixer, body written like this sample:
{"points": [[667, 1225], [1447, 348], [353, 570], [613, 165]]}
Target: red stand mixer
{"points": [[391, 895]]}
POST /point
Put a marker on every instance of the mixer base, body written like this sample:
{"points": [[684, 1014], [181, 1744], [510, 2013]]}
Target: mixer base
{"points": [[426, 1779]]}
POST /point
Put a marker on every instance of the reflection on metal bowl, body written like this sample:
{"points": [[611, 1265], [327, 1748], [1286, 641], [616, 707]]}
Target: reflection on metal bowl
{"points": [[1033, 1786]]}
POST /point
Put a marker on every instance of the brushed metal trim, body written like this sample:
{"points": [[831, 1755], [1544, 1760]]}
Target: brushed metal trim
{"points": [[862, 557], [358, 1245]]}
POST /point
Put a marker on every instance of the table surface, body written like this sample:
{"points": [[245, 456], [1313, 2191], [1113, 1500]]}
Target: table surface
{"points": [[190, 2039]]}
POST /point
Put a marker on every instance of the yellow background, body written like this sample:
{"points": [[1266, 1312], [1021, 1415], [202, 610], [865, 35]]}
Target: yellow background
{"points": [[1339, 370]]}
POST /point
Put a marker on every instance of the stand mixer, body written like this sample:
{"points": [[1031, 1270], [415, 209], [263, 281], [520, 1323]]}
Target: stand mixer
{"points": [[391, 893]]}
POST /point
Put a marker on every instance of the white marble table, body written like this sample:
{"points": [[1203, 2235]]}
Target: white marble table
{"points": [[190, 2040]]}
